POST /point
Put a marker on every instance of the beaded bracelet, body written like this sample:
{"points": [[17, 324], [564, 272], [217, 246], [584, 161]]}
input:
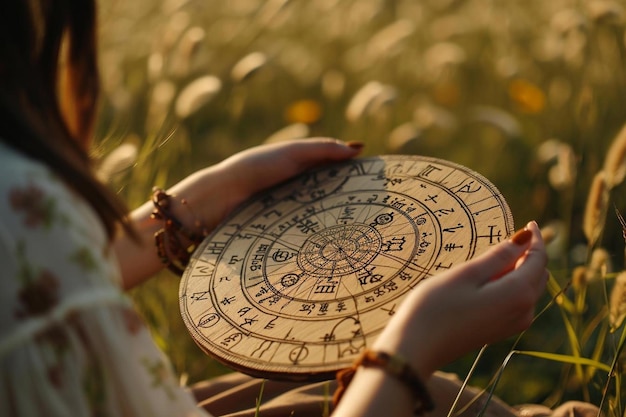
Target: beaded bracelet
{"points": [[169, 239], [396, 366]]}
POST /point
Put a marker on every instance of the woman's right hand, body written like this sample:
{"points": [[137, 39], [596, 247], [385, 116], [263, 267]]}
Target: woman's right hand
{"points": [[486, 299]]}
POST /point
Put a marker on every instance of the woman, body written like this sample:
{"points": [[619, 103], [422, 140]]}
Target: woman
{"points": [[70, 342]]}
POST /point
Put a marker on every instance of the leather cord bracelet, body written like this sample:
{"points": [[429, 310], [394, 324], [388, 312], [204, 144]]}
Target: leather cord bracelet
{"points": [[394, 365], [174, 242]]}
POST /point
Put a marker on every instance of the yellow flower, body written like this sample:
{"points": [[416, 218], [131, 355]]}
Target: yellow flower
{"points": [[304, 111], [528, 97]]}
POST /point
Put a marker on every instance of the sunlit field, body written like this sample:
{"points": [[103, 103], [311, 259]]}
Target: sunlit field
{"points": [[529, 93]]}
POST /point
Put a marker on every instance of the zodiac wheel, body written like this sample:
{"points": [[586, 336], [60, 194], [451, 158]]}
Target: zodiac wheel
{"points": [[300, 279]]}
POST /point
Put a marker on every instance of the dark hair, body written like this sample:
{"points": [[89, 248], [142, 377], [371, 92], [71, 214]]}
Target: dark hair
{"points": [[49, 88]]}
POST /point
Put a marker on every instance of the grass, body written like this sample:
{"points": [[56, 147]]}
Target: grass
{"points": [[527, 93]]}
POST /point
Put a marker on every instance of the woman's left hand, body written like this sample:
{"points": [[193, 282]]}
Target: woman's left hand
{"points": [[213, 192]]}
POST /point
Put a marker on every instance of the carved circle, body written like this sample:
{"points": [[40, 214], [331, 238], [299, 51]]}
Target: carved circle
{"points": [[298, 280]]}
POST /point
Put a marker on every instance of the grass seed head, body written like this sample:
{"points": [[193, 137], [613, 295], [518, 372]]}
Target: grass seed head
{"points": [[595, 208], [196, 94], [617, 301], [615, 160]]}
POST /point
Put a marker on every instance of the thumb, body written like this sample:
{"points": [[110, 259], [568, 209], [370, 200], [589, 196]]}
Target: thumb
{"points": [[501, 258]]}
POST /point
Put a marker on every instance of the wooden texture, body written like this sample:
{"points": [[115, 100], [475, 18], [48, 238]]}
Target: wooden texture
{"points": [[300, 279]]}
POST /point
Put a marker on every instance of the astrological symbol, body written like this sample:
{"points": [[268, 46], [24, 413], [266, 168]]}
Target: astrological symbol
{"points": [[346, 215], [404, 276], [307, 226], [373, 198], [453, 229], [262, 349], [273, 212], [202, 271], [323, 309], [390, 286], [258, 226], [428, 170], [379, 292], [390, 180], [298, 354], [420, 220], [350, 350], [309, 211], [282, 255], [309, 179], [366, 275], [317, 193], [224, 279], [243, 310], [441, 266], [200, 295], [215, 248], [234, 259], [270, 324], [466, 188], [328, 337], [249, 321], [208, 320], [262, 291], [228, 300], [232, 339], [395, 244], [432, 198], [382, 219], [289, 280], [492, 235], [356, 168], [341, 306], [369, 299], [326, 288], [451, 246], [307, 308], [273, 299], [444, 212]]}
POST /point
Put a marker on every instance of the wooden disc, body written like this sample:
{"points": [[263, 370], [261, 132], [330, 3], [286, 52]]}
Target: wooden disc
{"points": [[300, 279]]}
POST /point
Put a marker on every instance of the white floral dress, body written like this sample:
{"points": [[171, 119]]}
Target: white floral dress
{"points": [[71, 343]]}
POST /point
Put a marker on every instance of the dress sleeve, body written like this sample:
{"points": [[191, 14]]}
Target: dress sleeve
{"points": [[70, 341]]}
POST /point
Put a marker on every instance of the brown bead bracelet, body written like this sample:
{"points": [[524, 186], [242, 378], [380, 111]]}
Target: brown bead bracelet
{"points": [[174, 242], [396, 366]]}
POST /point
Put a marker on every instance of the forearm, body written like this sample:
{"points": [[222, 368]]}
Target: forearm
{"points": [[138, 259], [375, 393]]}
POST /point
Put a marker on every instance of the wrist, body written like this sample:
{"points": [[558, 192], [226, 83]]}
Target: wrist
{"points": [[176, 239]]}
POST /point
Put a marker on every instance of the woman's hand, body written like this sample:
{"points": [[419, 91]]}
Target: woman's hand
{"points": [[212, 193], [481, 301]]}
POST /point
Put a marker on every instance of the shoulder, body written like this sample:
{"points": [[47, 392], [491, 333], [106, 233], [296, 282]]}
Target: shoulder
{"points": [[45, 223], [31, 193]]}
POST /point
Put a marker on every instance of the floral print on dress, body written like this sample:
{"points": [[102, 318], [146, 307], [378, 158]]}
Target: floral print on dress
{"points": [[83, 257], [40, 289], [31, 201]]}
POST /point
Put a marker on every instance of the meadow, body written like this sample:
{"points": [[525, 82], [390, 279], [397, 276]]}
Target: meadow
{"points": [[530, 94]]}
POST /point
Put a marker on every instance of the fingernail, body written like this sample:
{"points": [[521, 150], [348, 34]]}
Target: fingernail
{"points": [[521, 237], [355, 145]]}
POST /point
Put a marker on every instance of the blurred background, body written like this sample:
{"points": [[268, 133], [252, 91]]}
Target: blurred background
{"points": [[529, 93]]}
